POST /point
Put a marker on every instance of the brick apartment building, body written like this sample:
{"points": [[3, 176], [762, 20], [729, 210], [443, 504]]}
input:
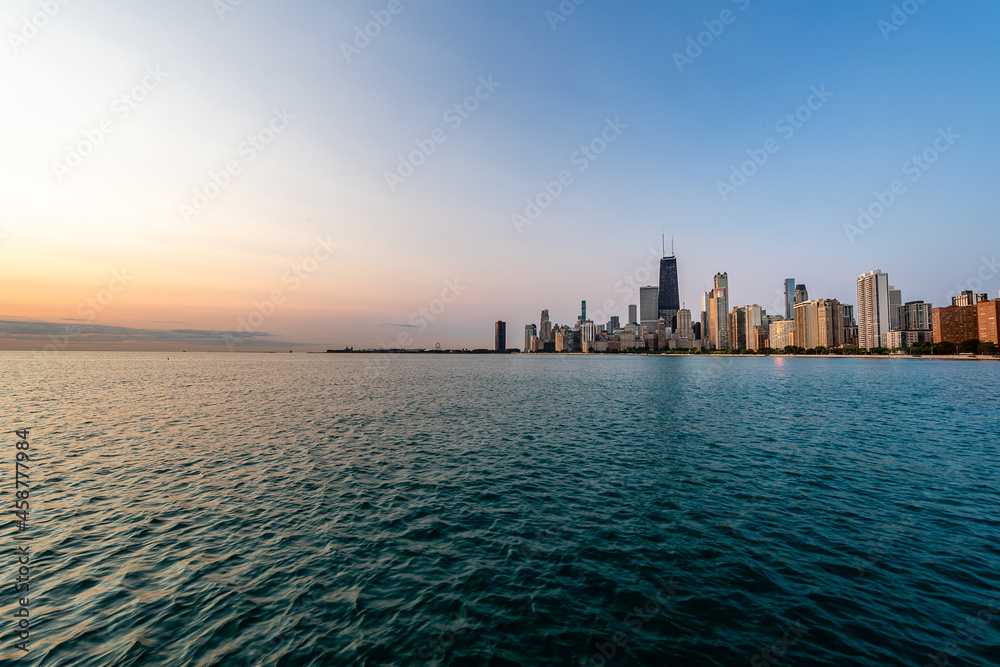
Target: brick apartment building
{"points": [[955, 324], [989, 314]]}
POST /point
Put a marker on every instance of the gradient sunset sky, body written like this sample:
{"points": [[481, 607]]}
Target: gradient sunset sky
{"points": [[312, 219]]}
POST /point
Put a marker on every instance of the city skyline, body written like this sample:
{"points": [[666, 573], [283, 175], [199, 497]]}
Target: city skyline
{"points": [[741, 267], [423, 180], [877, 301], [884, 320]]}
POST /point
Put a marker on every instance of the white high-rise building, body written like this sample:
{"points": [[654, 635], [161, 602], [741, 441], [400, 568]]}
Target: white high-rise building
{"points": [[530, 334], [873, 309]]}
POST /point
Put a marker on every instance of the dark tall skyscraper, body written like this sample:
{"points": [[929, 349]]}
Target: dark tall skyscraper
{"points": [[669, 300], [500, 335]]}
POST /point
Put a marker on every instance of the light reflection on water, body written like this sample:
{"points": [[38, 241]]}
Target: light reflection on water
{"points": [[343, 509]]}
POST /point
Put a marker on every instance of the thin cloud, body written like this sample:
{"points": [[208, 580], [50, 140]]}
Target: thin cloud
{"points": [[45, 332]]}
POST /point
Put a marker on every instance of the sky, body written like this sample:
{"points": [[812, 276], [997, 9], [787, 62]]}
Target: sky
{"points": [[234, 174]]}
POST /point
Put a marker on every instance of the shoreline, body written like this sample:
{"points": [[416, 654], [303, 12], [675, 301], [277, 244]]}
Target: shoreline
{"points": [[396, 352], [943, 357]]}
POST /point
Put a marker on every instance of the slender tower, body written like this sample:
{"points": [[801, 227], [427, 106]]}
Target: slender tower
{"points": [[873, 309]]}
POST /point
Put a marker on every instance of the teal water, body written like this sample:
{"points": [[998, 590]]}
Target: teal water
{"points": [[236, 509]]}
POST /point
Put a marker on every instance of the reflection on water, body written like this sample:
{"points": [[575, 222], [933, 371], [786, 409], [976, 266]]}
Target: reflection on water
{"points": [[343, 509]]}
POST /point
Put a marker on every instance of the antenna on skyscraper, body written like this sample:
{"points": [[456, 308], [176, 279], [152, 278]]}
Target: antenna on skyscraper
{"points": [[663, 243], [671, 245]]}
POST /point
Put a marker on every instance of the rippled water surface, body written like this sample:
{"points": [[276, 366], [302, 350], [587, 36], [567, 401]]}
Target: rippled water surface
{"points": [[280, 509]]}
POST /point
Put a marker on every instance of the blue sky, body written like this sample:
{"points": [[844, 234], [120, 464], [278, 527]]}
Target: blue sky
{"points": [[554, 86]]}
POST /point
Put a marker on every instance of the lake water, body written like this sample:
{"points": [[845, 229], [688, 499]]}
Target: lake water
{"points": [[292, 509]]}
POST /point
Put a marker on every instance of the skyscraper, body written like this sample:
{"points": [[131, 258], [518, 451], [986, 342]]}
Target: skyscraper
{"points": [[789, 298], [500, 336], [819, 323], [631, 314], [545, 328], [968, 298], [782, 334], [668, 297], [738, 328], [718, 312], [873, 309], [850, 337], [683, 337], [530, 334], [988, 315], [801, 296], [804, 334], [829, 323], [895, 302], [706, 299], [684, 327], [955, 324], [753, 320], [915, 316], [583, 311], [912, 324], [649, 306]]}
